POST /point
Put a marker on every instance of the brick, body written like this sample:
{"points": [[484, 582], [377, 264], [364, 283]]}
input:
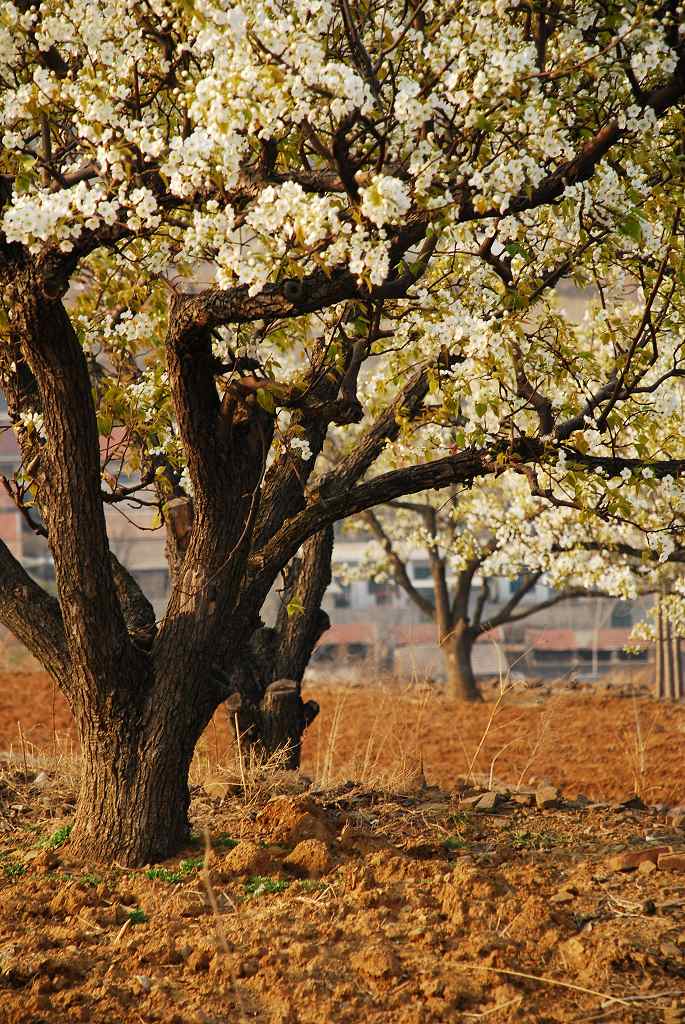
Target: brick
{"points": [[672, 862], [630, 860]]}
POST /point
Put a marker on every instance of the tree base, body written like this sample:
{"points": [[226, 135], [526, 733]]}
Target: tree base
{"points": [[134, 799], [284, 718]]}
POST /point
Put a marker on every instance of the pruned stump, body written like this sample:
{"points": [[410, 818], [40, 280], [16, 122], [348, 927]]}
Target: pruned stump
{"points": [[284, 718]]}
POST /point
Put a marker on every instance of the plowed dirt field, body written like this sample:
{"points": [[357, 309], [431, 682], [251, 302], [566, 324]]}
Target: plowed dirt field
{"points": [[373, 887]]}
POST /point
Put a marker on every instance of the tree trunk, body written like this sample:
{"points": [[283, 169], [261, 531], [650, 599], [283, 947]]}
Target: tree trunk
{"points": [[134, 797], [457, 648]]}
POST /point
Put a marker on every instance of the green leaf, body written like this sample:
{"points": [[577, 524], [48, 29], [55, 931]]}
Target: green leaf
{"points": [[516, 249], [266, 400], [294, 607], [105, 424], [631, 228]]}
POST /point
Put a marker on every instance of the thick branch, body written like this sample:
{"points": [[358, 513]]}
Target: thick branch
{"points": [[302, 621], [192, 368], [33, 616], [297, 296], [336, 502], [138, 611], [614, 465], [67, 475], [386, 428]]}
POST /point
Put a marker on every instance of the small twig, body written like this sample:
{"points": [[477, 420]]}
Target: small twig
{"points": [[221, 934], [122, 931], [653, 995], [545, 981], [491, 777], [240, 754], [493, 1009], [503, 692]]}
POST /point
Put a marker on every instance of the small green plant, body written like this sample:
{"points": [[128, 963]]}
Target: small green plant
{"points": [[259, 885], [312, 885], [13, 869], [459, 819], [163, 875], [525, 839], [91, 879], [60, 876], [185, 868], [137, 916], [57, 839], [454, 843], [224, 841]]}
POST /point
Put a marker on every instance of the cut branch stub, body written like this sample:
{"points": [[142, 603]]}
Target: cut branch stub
{"points": [[284, 717]]}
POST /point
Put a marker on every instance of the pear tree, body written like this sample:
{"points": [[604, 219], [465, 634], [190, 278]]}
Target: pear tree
{"points": [[228, 228]]}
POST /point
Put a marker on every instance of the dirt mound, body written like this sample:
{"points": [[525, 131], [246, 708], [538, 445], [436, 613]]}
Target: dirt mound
{"points": [[291, 819]]}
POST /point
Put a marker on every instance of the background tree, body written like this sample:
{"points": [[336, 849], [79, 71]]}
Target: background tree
{"points": [[293, 216], [496, 529]]}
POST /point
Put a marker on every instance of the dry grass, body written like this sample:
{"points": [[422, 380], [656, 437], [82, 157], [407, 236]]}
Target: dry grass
{"points": [[387, 735], [61, 758], [389, 754], [639, 744]]}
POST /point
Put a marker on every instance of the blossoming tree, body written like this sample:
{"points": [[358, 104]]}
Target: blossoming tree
{"points": [[498, 529], [225, 227]]}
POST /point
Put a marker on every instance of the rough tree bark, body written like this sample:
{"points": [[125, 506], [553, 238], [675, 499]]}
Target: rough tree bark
{"points": [[134, 798]]}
